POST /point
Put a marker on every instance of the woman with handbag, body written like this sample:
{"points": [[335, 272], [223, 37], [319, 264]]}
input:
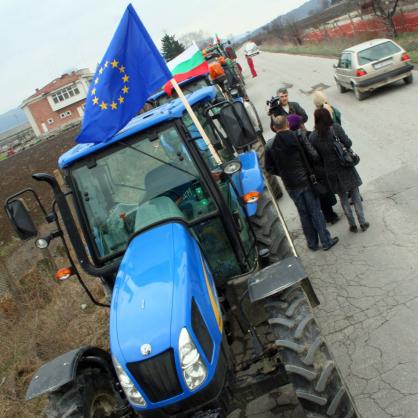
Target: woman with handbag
{"points": [[327, 199], [334, 147]]}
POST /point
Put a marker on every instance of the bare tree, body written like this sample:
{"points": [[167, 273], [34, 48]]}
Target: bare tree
{"points": [[294, 32], [384, 9], [201, 38]]}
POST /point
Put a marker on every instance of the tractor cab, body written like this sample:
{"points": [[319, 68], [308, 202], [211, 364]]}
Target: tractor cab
{"points": [[159, 169]]}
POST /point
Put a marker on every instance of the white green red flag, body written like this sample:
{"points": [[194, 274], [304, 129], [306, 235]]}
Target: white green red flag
{"points": [[189, 63]]}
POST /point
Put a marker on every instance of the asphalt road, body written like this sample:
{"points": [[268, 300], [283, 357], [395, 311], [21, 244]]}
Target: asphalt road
{"points": [[368, 283]]}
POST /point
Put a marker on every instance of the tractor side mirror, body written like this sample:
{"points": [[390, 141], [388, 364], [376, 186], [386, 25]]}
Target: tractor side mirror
{"points": [[21, 219], [237, 125], [335, 65]]}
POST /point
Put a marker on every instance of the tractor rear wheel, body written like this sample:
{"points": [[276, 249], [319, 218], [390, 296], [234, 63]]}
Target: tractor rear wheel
{"points": [[308, 363], [268, 230], [91, 396], [274, 181]]}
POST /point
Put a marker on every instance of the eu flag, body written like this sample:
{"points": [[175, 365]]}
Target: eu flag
{"points": [[131, 70]]}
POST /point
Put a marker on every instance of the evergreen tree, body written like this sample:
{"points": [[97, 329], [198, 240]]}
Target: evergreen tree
{"points": [[171, 47]]}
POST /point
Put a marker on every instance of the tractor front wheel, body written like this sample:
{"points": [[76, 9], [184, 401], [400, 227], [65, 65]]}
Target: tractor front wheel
{"points": [[90, 396], [306, 358], [268, 230]]}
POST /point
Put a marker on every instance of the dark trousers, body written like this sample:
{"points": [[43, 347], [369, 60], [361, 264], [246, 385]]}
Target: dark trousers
{"points": [[311, 217], [327, 202]]}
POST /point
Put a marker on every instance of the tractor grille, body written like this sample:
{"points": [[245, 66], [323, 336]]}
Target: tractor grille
{"points": [[157, 376], [201, 331]]}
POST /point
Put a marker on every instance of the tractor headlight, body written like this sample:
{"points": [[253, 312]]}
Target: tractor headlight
{"points": [[193, 368], [128, 386]]}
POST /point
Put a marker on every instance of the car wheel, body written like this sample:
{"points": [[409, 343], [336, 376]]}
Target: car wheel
{"points": [[341, 88], [359, 94], [409, 79]]}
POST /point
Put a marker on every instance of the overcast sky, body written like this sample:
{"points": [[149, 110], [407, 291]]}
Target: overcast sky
{"points": [[40, 40]]}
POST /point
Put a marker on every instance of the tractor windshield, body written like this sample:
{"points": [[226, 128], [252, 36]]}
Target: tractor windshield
{"points": [[136, 183]]}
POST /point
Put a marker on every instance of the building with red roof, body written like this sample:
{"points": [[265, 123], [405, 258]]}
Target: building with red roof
{"points": [[58, 103]]}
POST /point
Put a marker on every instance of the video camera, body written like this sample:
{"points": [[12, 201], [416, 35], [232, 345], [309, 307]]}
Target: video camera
{"points": [[273, 106]]}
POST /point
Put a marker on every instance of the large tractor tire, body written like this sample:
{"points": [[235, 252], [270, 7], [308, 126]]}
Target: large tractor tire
{"points": [[276, 189], [268, 229], [91, 396], [309, 365], [259, 127]]}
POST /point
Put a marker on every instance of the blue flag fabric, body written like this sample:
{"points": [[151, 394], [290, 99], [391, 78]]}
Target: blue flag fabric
{"points": [[131, 70]]}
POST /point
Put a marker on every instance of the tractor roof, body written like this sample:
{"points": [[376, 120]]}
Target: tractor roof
{"points": [[160, 93], [168, 111]]}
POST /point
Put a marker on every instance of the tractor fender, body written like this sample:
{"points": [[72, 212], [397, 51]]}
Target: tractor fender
{"points": [[63, 369], [249, 179], [278, 277]]}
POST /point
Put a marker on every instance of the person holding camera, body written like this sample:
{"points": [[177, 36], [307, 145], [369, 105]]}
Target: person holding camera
{"points": [[280, 106], [284, 157]]}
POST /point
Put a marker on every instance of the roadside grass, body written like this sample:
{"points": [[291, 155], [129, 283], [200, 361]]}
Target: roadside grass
{"points": [[333, 48], [41, 320], [3, 156]]}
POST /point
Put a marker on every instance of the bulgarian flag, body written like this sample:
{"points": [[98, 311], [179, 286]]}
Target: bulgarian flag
{"points": [[189, 63]]}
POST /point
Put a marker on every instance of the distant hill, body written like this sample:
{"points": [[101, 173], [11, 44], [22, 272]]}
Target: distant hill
{"points": [[307, 9], [12, 119]]}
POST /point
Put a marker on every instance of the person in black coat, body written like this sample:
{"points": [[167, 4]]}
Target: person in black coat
{"points": [[342, 180], [327, 201], [283, 157], [286, 108]]}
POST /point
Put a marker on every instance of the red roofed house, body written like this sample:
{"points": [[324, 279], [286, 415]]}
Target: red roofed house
{"points": [[59, 102]]}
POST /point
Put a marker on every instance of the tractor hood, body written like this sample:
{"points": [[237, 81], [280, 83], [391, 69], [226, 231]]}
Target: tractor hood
{"points": [[142, 302], [163, 286]]}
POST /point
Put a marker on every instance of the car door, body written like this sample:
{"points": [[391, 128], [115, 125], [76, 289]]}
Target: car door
{"points": [[345, 69]]}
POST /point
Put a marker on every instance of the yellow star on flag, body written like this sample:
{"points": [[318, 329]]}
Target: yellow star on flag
{"points": [[125, 78], [95, 100], [125, 89], [122, 69], [96, 81], [93, 92], [114, 64], [113, 105], [103, 105], [106, 64], [121, 99], [101, 71]]}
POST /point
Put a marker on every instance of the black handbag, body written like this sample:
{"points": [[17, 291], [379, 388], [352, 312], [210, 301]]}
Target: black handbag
{"points": [[318, 188], [346, 156]]}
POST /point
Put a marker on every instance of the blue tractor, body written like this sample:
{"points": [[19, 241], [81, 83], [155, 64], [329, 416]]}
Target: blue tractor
{"points": [[196, 260]]}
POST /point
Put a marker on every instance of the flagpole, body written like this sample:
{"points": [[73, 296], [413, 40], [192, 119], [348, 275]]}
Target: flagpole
{"points": [[196, 121]]}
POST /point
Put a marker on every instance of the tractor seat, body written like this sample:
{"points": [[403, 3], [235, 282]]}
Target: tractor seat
{"points": [[165, 179]]}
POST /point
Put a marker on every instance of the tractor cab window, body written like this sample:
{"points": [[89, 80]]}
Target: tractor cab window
{"points": [[224, 151], [140, 181]]}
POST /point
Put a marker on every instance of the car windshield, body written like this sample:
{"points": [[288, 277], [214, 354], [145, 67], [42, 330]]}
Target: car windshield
{"points": [[138, 182], [377, 52]]}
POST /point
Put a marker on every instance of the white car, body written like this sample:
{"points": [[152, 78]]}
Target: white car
{"points": [[251, 49], [370, 65]]}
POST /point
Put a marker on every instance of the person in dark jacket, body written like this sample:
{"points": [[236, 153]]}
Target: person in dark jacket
{"points": [[283, 158], [286, 108], [342, 180], [327, 201]]}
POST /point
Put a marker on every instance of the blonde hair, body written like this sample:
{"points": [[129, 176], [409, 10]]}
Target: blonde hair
{"points": [[320, 101]]}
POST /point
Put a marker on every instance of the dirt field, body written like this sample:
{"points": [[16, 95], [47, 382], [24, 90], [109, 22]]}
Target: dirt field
{"points": [[16, 171], [39, 318]]}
